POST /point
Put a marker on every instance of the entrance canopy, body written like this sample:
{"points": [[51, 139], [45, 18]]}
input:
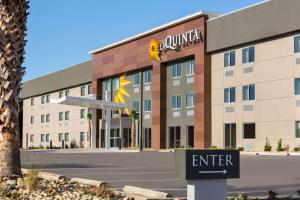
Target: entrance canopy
{"points": [[88, 102]]}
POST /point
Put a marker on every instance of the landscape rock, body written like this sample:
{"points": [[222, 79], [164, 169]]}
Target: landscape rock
{"points": [[11, 182], [20, 182]]}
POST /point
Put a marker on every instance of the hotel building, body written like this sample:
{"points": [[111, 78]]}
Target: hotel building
{"points": [[227, 81]]}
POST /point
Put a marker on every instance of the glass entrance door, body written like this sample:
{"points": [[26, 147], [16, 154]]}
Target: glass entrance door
{"points": [[174, 137], [190, 137], [230, 136], [126, 137], [147, 138], [115, 138]]}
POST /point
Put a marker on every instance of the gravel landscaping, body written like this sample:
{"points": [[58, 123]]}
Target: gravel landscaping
{"points": [[31, 187]]}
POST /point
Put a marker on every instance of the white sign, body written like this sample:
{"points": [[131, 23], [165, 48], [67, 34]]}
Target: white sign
{"points": [[175, 42]]}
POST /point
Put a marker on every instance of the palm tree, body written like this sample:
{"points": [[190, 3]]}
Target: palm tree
{"points": [[134, 118], [13, 17], [89, 118]]}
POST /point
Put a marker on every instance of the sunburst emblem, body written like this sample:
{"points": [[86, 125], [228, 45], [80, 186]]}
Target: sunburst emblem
{"points": [[119, 98], [154, 50]]}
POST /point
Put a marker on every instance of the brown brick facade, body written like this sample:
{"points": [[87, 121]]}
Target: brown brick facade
{"points": [[134, 55]]}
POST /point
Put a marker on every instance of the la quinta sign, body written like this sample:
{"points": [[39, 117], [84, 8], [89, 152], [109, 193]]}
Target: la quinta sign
{"points": [[176, 42]]}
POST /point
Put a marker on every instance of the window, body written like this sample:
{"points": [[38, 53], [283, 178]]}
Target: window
{"points": [[297, 129], [148, 76], [136, 106], [82, 90], [116, 84], [248, 55], [48, 118], [42, 138], [67, 92], [190, 67], [42, 118], [60, 116], [82, 136], [42, 99], [147, 105], [297, 44], [90, 110], [229, 58], [32, 101], [297, 86], [82, 113], [60, 137], [47, 137], [31, 138], [190, 100], [176, 102], [66, 137], [67, 113], [48, 98], [249, 131], [229, 95], [115, 112], [90, 89], [136, 79], [176, 70], [249, 92], [106, 85], [31, 119], [61, 94]]}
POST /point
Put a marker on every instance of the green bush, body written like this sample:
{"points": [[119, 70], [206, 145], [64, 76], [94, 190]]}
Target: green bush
{"points": [[241, 148], [267, 147], [279, 145]]}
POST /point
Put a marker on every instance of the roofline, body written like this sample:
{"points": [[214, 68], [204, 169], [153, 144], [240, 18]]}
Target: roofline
{"points": [[238, 10], [56, 72], [155, 29]]}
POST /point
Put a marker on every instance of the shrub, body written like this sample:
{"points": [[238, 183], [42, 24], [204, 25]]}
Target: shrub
{"points": [[241, 148], [296, 149], [66, 146], [214, 147], [267, 147], [41, 147], [279, 145], [31, 178], [287, 148], [73, 144]]}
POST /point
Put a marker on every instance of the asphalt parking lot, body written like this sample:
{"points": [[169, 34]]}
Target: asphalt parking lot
{"points": [[156, 170]]}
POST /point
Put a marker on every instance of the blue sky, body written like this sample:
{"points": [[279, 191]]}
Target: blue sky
{"points": [[62, 32]]}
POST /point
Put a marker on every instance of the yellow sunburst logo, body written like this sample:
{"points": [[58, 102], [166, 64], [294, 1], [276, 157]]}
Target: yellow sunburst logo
{"points": [[154, 50], [119, 98]]}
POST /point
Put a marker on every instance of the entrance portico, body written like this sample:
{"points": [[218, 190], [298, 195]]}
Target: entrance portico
{"points": [[94, 104]]}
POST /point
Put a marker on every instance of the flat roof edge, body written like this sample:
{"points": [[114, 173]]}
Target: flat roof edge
{"points": [[155, 29]]}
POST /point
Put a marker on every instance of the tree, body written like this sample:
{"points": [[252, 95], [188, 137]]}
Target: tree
{"points": [[89, 118], [134, 118], [13, 17]]}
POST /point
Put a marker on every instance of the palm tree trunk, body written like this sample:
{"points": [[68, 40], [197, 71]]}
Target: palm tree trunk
{"points": [[133, 133], [13, 17]]}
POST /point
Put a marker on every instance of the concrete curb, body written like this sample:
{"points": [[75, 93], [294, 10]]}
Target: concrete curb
{"points": [[146, 193], [46, 175], [88, 182]]}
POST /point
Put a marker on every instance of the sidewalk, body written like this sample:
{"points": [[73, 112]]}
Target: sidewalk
{"points": [[271, 153], [83, 150]]}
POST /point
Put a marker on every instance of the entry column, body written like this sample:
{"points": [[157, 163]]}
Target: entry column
{"points": [[158, 106]]}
